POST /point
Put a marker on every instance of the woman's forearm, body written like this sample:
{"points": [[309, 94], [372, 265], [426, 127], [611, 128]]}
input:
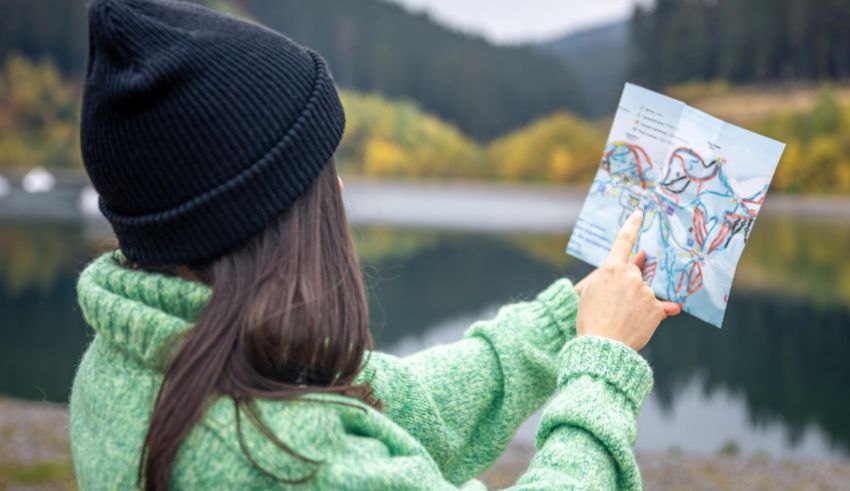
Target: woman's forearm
{"points": [[465, 400]]}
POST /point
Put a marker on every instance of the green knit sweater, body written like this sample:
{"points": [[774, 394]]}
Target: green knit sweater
{"points": [[449, 411]]}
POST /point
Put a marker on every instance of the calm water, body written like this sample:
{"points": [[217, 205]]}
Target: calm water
{"points": [[774, 379]]}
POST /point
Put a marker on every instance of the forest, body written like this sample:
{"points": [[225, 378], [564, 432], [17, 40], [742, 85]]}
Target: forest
{"points": [[741, 41], [371, 46], [468, 123]]}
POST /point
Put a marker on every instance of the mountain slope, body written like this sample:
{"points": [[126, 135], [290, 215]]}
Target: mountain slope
{"points": [[378, 46], [600, 57], [371, 45]]}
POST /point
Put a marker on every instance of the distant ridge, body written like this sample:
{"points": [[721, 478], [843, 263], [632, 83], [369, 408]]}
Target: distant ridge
{"points": [[372, 46], [599, 56], [379, 46]]}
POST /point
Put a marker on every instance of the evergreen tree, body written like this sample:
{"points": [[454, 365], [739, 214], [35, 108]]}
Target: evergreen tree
{"points": [[743, 41]]}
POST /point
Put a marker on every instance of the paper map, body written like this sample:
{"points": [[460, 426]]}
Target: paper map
{"points": [[700, 182]]}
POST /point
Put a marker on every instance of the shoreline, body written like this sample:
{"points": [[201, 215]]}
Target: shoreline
{"points": [[453, 205], [35, 455]]}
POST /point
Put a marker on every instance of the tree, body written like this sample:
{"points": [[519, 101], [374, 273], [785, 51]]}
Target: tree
{"points": [[39, 116], [741, 41], [560, 148]]}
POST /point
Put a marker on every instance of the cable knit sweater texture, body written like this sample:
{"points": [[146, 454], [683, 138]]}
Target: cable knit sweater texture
{"points": [[449, 411]]}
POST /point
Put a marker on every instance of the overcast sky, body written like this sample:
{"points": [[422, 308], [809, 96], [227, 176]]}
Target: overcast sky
{"points": [[514, 21]]}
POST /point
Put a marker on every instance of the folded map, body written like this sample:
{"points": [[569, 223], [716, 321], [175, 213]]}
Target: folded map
{"points": [[700, 182]]}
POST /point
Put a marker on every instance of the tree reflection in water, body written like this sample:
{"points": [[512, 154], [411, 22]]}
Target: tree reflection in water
{"points": [[782, 348]]}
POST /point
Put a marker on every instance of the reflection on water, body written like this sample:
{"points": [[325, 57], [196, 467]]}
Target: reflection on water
{"points": [[784, 355], [774, 378]]}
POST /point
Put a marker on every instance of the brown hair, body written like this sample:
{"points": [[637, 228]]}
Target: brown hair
{"points": [[287, 316]]}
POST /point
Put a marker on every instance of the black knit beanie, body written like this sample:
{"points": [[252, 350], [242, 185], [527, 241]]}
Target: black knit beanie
{"points": [[199, 129]]}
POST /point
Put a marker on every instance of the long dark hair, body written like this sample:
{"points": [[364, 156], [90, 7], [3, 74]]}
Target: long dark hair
{"points": [[287, 316]]}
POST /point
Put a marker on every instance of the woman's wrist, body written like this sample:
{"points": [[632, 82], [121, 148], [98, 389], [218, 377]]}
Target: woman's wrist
{"points": [[560, 301]]}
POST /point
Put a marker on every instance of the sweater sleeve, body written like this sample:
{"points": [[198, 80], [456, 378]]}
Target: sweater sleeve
{"points": [[587, 432], [465, 400], [584, 440]]}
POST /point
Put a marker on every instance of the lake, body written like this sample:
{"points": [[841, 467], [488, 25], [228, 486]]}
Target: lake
{"points": [[775, 379]]}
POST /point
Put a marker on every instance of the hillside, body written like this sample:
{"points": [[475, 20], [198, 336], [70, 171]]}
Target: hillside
{"points": [[378, 46], [600, 57], [750, 104], [391, 138], [743, 41], [371, 45]]}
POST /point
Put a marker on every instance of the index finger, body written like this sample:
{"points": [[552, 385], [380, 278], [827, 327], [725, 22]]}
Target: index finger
{"points": [[626, 238]]}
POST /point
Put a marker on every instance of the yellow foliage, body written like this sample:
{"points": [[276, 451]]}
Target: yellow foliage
{"points": [[842, 174], [385, 138], [560, 164], [817, 155], [383, 158], [790, 167], [39, 116], [39, 121], [559, 148], [396, 139], [824, 153]]}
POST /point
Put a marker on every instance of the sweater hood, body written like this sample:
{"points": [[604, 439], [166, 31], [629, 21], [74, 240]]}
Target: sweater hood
{"points": [[138, 313]]}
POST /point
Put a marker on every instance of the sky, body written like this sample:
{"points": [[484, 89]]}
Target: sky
{"points": [[518, 21]]}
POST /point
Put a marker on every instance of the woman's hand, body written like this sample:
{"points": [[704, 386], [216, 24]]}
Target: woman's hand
{"points": [[615, 302], [637, 260]]}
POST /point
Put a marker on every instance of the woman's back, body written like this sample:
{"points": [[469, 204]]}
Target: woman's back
{"points": [[135, 316], [448, 414], [232, 345]]}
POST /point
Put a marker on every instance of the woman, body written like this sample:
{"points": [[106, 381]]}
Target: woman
{"points": [[231, 345]]}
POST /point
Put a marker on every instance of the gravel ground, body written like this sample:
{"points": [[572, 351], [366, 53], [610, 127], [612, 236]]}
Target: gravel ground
{"points": [[675, 471], [34, 449], [34, 455]]}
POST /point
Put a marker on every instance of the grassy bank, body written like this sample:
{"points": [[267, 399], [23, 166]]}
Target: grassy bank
{"points": [[749, 105]]}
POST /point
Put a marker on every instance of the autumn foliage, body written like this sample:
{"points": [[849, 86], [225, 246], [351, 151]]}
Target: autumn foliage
{"points": [[39, 120]]}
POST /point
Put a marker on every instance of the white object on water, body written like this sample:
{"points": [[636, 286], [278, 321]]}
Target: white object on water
{"points": [[38, 180], [87, 202], [5, 187]]}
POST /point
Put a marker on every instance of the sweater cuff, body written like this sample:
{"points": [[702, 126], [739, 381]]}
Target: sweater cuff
{"points": [[560, 301], [609, 360]]}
